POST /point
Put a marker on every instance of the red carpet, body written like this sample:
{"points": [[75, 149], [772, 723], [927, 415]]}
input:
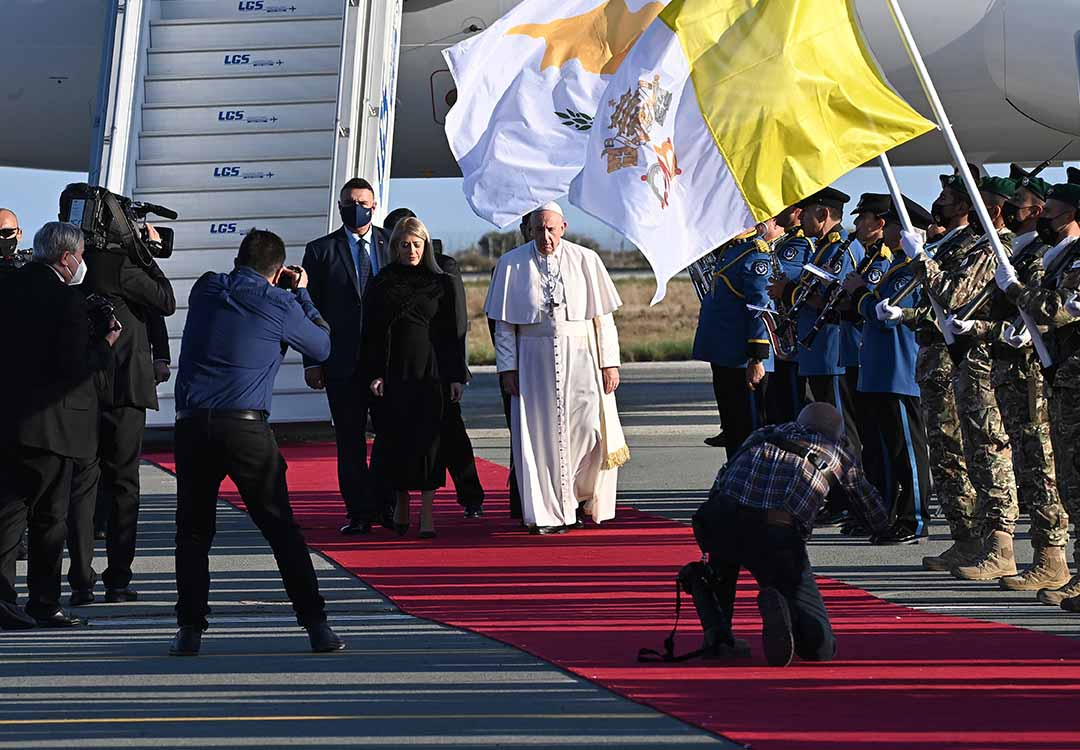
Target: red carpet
{"points": [[588, 600]]}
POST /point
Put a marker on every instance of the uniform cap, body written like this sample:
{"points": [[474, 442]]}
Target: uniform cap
{"points": [[1074, 175], [873, 203], [920, 217], [1027, 181], [828, 197]]}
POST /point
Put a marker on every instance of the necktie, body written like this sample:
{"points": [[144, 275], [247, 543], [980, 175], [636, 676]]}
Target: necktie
{"points": [[363, 272]]}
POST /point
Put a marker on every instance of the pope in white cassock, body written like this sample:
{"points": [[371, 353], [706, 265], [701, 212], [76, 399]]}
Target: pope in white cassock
{"points": [[557, 353]]}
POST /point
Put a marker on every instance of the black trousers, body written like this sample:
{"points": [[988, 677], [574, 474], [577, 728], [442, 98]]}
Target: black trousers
{"points": [[896, 457], [207, 450], [741, 410], [80, 526], [457, 455], [776, 557], [36, 486], [786, 394], [840, 390], [515, 493], [119, 450], [350, 402]]}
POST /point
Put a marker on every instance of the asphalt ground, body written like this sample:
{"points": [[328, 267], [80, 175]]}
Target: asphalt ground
{"points": [[403, 681]]}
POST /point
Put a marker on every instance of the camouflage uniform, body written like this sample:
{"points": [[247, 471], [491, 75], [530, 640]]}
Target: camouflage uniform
{"points": [[934, 372], [986, 444], [1046, 305]]}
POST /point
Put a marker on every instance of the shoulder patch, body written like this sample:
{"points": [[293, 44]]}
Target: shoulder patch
{"points": [[760, 268], [874, 276]]}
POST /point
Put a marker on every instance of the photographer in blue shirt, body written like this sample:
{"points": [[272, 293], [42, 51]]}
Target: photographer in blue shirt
{"points": [[239, 326]]}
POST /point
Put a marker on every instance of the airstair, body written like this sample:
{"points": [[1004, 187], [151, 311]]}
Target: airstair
{"points": [[242, 114]]}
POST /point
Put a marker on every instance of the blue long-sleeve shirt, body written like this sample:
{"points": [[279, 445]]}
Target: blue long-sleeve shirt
{"points": [[233, 345]]}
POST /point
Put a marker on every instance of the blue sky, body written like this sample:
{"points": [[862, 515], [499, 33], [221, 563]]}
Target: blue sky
{"points": [[32, 194]]}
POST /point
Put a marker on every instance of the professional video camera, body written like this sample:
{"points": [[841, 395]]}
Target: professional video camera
{"points": [[110, 220], [16, 258], [102, 316]]}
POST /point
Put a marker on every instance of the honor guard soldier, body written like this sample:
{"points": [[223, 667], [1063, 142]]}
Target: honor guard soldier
{"points": [[1054, 303], [986, 444], [786, 393], [733, 339], [934, 374], [897, 462]]}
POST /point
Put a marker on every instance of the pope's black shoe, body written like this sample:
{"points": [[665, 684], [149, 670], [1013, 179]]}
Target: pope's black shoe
{"points": [[544, 530], [81, 597], [117, 596], [776, 635], [58, 619], [13, 617], [355, 526], [323, 639], [186, 642]]}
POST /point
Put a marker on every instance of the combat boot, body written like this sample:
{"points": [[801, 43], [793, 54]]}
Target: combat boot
{"points": [[1049, 571], [1054, 597], [995, 562], [961, 552]]}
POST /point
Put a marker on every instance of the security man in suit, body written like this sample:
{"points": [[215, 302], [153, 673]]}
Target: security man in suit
{"points": [[340, 266], [735, 340], [49, 433], [137, 290], [894, 450], [786, 394]]}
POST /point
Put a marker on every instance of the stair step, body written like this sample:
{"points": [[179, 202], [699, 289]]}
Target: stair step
{"points": [[232, 60], [266, 145], [241, 203], [240, 89], [188, 265], [229, 118], [208, 173], [246, 9], [213, 33], [227, 231]]}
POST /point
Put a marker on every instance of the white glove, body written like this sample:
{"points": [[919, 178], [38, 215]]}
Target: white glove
{"points": [[1073, 307], [1016, 341], [1005, 276], [886, 312], [912, 244], [958, 327]]}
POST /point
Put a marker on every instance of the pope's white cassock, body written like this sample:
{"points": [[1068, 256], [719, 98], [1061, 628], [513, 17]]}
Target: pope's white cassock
{"points": [[553, 325]]}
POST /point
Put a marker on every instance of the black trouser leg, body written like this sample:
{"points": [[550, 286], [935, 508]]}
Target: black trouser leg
{"points": [[349, 402], [833, 389], [14, 495], [48, 528], [515, 493], [457, 454], [80, 533], [741, 410], [254, 462], [786, 394], [904, 474], [120, 448]]}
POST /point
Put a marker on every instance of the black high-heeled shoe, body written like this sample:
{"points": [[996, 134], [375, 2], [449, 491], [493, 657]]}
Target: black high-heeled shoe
{"points": [[401, 528], [429, 534]]}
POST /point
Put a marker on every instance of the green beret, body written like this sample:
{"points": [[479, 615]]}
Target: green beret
{"points": [[955, 183], [1002, 186], [1036, 185], [1067, 192]]}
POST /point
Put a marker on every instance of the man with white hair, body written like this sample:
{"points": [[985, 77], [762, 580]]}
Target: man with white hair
{"points": [[759, 514], [557, 353]]}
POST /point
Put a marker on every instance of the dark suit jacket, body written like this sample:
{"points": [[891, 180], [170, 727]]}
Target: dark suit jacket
{"points": [[158, 334], [47, 393], [333, 287], [136, 292], [461, 309]]}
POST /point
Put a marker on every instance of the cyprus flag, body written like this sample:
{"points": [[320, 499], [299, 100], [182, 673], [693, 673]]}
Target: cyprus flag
{"points": [[528, 88]]}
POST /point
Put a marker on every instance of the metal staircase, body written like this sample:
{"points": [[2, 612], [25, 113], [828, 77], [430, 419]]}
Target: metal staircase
{"points": [[241, 114]]}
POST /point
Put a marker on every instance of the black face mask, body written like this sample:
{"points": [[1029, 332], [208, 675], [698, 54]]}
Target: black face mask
{"points": [[1010, 214], [1045, 229], [8, 245]]}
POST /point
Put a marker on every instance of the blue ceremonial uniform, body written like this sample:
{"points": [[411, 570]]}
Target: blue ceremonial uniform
{"points": [[794, 251], [727, 333], [887, 363], [823, 358], [850, 333]]}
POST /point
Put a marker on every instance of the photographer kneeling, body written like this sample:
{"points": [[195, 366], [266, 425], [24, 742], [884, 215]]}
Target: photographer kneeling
{"points": [[49, 433], [759, 514], [239, 326]]}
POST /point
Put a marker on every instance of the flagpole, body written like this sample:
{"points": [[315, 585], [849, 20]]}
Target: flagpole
{"points": [[961, 166], [905, 222]]}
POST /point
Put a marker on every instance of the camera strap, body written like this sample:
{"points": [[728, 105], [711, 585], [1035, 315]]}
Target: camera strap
{"points": [[652, 655]]}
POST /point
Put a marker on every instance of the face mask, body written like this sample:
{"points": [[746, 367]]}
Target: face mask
{"points": [[79, 275], [1010, 214], [356, 216], [7, 246], [1045, 229], [937, 211]]}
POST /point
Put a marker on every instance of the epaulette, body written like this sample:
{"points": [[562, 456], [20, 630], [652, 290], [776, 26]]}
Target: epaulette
{"points": [[763, 246], [886, 253], [833, 238], [799, 233]]}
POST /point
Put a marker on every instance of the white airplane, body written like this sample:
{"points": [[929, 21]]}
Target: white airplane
{"points": [[1006, 70]]}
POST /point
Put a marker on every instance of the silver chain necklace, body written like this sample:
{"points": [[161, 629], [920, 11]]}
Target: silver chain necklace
{"points": [[551, 280]]}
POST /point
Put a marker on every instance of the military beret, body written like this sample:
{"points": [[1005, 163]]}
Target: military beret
{"points": [[873, 203], [955, 183], [829, 197], [1066, 192], [1002, 186], [1028, 181], [920, 217]]}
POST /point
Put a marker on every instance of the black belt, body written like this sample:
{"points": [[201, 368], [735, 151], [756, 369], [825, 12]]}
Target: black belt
{"points": [[252, 415]]}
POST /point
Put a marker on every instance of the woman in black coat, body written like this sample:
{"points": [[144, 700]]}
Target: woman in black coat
{"points": [[412, 349]]}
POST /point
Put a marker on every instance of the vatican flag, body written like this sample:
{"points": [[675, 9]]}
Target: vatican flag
{"points": [[724, 113], [527, 90]]}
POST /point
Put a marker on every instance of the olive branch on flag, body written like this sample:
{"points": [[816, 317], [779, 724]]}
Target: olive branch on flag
{"points": [[577, 120]]}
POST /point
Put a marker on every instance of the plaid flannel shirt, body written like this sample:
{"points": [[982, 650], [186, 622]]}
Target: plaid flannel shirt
{"points": [[765, 477]]}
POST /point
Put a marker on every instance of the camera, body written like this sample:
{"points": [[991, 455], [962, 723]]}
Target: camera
{"points": [[110, 220], [100, 313], [17, 258], [289, 281]]}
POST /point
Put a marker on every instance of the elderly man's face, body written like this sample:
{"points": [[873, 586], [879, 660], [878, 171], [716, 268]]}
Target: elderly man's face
{"points": [[548, 228]]}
